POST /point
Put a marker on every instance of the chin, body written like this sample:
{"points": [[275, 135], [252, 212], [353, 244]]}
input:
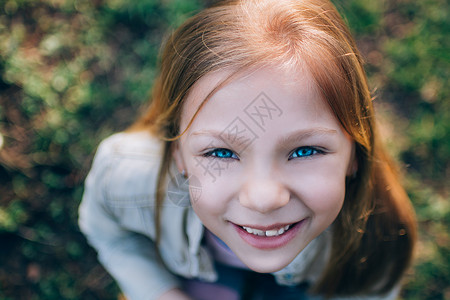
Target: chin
{"points": [[266, 265]]}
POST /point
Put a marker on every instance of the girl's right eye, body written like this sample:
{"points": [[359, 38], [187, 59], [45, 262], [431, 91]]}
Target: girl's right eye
{"points": [[221, 153]]}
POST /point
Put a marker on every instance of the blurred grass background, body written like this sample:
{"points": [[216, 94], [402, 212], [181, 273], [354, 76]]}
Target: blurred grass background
{"points": [[73, 72]]}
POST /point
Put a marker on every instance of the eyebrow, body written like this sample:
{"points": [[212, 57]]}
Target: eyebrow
{"points": [[237, 141], [296, 136], [300, 135]]}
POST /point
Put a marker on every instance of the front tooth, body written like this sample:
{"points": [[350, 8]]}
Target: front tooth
{"points": [[274, 232], [271, 232], [258, 232]]}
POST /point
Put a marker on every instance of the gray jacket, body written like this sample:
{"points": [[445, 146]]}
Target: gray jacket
{"points": [[117, 217]]}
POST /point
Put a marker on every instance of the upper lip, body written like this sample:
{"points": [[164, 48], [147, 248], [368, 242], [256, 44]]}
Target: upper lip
{"points": [[268, 227]]}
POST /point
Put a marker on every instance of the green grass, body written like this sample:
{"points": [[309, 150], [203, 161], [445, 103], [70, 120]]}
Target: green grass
{"points": [[73, 72]]}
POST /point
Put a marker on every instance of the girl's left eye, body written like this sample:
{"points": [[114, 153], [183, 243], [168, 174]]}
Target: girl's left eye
{"points": [[221, 153], [305, 152]]}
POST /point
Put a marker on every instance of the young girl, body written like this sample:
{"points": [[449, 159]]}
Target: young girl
{"points": [[257, 172]]}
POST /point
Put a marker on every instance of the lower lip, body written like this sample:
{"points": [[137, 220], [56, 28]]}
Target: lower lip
{"points": [[269, 242]]}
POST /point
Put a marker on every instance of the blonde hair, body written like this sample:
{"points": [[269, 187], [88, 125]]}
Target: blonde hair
{"points": [[374, 234]]}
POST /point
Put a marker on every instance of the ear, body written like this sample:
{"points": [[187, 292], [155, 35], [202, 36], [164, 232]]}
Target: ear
{"points": [[353, 164], [178, 157]]}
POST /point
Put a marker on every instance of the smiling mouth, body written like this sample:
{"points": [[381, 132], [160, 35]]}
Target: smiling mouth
{"points": [[269, 237], [268, 233]]}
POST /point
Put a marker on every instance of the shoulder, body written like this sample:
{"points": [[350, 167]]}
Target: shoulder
{"points": [[129, 164], [138, 144]]}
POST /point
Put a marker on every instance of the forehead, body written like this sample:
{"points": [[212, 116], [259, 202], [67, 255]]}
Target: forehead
{"points": [[266, 90]]}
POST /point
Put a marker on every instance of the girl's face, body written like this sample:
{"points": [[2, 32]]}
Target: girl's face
{"points": [[271, 162]]}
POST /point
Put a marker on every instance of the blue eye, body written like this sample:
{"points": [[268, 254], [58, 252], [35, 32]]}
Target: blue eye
{"points": [[304, 152], [221, 153]]}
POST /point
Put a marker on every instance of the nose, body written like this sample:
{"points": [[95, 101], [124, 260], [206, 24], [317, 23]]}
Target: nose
{"points": [[263, 195]]}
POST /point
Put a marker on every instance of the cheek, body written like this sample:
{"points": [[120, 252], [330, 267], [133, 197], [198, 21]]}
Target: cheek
{"points": [[328, 198], [215, 186], [323, 191], [211, 201]]}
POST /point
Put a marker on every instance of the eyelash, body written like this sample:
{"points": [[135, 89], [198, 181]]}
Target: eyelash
{"points": [[311, 151], [210, 153]]}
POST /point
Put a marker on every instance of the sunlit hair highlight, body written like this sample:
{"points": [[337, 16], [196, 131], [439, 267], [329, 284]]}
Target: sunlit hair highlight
{"points": [[374, 234]]}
